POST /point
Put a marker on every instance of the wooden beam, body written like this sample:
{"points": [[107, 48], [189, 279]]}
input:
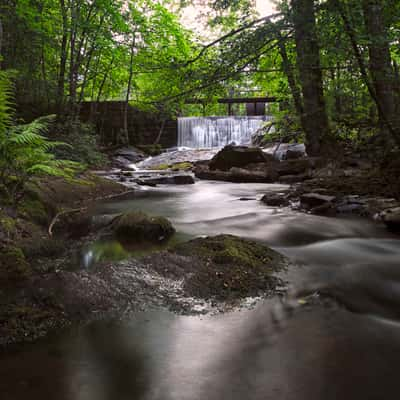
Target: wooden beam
{"points": [[237, 100], [247, 100]]}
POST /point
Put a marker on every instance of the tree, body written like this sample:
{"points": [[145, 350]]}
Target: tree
{"points": [[314, 119]]}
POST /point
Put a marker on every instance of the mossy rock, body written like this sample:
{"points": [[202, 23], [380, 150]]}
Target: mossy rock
{"points": [[34, 210], [182, 166], [161, 167], [8, 227], [138, 226], [42, 247], [229, 249], [13, 265], [227, 267]]}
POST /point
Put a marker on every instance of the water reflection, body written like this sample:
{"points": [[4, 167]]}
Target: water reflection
{"points": [[320, 354], [317, 353]]}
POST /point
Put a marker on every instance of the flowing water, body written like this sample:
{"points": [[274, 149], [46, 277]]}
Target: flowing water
{"points": [[205, 132], [314, 352]]}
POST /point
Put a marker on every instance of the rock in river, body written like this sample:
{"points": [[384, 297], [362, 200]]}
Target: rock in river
{"points": [[138, 226], [391, 218], [238, 156]]}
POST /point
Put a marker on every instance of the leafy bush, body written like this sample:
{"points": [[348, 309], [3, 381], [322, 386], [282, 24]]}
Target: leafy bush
{"points": [[83, 143], [24, 152]]}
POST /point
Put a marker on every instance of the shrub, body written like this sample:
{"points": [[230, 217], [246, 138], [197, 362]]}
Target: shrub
{"points": [[24, 152]]}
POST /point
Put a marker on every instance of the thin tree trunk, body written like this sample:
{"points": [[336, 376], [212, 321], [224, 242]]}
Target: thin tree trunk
{"points": [[315, 120], [380, 66], [128, 91], [288, 70], [1, 39], [363, 70], [63, 58], [164, 121]]}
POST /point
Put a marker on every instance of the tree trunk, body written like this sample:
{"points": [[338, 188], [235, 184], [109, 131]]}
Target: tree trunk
{"points": [[288, 70], [315, 120], [63, 58], [1, 39], [380, 67], [128, 91]]}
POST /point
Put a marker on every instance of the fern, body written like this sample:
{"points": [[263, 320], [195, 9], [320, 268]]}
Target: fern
{"points": [[24, 150]]}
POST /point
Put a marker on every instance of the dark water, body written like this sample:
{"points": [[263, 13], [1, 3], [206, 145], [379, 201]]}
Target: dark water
{"points": [[266, 353]]}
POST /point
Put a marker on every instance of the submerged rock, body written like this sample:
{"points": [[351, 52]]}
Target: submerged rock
{"points": [[238, 156], [138, 226]]}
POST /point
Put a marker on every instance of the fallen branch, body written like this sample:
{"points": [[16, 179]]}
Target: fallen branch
{"points": [[76, 210]]}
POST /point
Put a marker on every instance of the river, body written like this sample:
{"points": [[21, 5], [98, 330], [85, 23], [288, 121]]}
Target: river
{"points": [[267, 352]]}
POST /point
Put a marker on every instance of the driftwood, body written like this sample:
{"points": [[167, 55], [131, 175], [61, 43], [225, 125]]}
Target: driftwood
{"points": [[80, 209]]}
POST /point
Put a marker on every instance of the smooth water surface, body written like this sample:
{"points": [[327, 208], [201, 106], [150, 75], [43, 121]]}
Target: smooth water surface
{"points": [[265, 353]]}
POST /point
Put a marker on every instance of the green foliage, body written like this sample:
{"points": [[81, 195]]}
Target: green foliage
{"points": [[24, 151], [82, 143]]}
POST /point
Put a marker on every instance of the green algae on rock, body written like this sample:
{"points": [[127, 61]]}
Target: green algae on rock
{"points": [[223, 267], [13, 265], [138, 226]]}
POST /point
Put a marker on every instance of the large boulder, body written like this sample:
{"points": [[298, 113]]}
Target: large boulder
{"points": [[296, 167], [276, 199], [181, 179], [238, 156], [237, 175], [314, 200], [140, 227], [222, 267], [391, 218]]}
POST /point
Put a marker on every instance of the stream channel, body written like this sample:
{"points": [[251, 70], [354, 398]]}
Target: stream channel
{"points": [[312, 352]]}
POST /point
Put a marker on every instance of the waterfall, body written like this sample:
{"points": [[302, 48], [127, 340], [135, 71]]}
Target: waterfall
{"points": [[204, 132]]}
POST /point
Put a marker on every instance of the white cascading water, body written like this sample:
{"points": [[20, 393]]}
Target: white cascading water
{"points": [[205, 132]]}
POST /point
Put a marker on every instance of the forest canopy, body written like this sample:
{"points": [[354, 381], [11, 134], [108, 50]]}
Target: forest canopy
{"points": [[333, 65]]}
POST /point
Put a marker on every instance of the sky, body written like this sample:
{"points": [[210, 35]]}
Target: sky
{"points": [[190, 17]]}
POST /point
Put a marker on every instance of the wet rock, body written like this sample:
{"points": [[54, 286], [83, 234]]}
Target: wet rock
{"points": [[168, 180], [312, 200], [296, 167], [13, 265], [238, 156], [238, 175], [138, 226], [275, 199], [223, 267], [294, 154], [289, 179], [131, 154], [391, 218], [125, 157]]}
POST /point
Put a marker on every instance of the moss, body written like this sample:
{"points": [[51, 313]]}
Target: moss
{"points": [[42, 247], [33, 210], [13, 265], [138, 226], [8, 226], [182, 166], [228, 267], [227, 249], [161, 167]]}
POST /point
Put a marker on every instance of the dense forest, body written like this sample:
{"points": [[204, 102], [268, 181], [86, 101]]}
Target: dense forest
{"points": [[333, 64], [199, 199]]}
